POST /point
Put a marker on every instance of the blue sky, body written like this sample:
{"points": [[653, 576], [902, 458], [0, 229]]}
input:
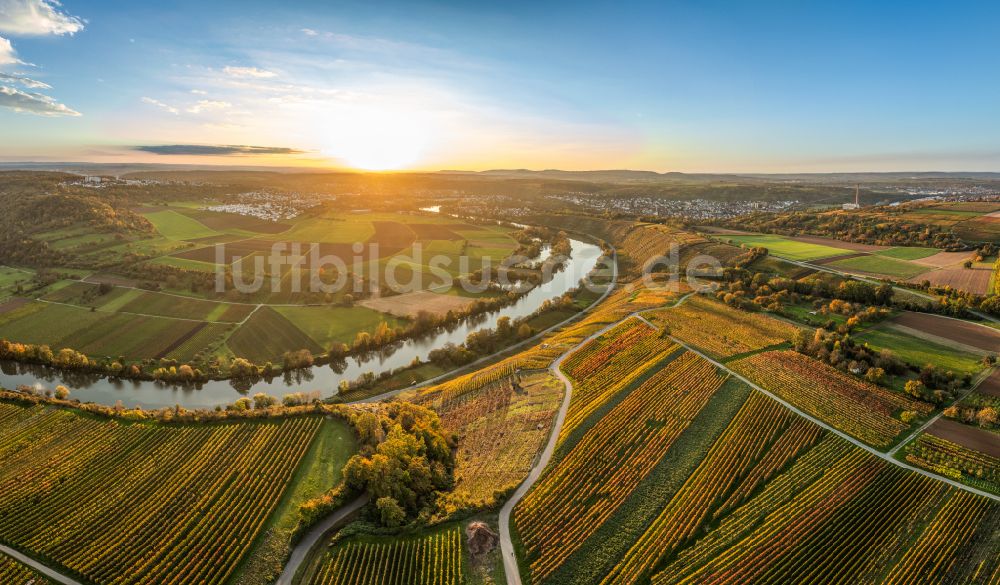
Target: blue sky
{"points": [[689, 86]]}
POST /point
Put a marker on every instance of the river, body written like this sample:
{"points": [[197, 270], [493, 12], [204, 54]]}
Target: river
{"points": [[149, 394]]}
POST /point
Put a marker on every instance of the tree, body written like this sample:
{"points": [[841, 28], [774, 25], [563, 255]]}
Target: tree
{"points": [[915, 388], [62, 392], [389, 511], [987, 417], [875, 375], [524, 331], [262, 401]]}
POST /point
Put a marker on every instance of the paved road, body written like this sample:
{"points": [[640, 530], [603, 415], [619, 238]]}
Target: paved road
{"points": [[312, 538], [39, 567]]}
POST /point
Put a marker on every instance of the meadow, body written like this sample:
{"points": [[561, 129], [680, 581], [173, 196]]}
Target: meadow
{"points": [[788, 248], [921, 351]]}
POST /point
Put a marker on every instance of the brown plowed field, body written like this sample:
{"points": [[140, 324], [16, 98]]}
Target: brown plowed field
{"points": [[967, 436], [991, 385], [961, 331], [944, 259], [974, 280]]}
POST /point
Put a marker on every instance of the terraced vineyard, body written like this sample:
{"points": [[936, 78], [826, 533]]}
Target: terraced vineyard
{"points": [[720, 330], [599, 473], [860, 409], [15, 573], [118, 502], [435, 559]]}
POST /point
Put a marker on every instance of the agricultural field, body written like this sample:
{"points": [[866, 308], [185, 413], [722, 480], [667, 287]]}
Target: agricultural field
{"points": [[955, 461], [920, 349], [881, 265], [432, 559], [15, 573], [722, 331], [112, 501], [788, 247], [598, 474], [865, 411]]}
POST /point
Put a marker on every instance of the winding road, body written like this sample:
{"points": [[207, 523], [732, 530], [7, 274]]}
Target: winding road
{"points": [[301, 550]]}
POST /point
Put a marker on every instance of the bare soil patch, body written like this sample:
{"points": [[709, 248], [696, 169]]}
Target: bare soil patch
{"points": [[944, 259], [991, 385], [974, 280], [392, 237], [226, 221], [967, 436], [821, 241], [409, 304], [434, 231], [962, 332], [709, 229], [11, 304], [180, 340]]}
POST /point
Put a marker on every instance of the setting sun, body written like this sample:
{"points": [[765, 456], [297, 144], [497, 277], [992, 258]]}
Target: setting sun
{"points": [[375, 139]]}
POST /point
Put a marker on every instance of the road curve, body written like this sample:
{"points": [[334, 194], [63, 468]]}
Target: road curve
{"points": [[315, 534], [38, 567]]}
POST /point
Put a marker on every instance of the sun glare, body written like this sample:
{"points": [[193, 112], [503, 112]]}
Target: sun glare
{"points": [[375, 139]]}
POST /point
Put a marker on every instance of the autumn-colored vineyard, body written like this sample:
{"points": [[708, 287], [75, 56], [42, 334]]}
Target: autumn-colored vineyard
{"points": [[601, 470], [121, 503], [14, 573], [760, 440], [721, 330], [609, 364], [955, 461], [501, 428], [435, 559], [840, 515], [864, 411]]}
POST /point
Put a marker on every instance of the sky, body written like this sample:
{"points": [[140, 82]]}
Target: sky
{"points": [[706, 86]]}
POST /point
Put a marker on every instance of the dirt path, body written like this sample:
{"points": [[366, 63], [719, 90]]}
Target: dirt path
{"points": [[312, 538]]}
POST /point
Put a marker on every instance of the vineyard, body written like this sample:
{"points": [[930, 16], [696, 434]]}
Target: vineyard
{"points": [[760, 440], [955, 461], [117, 502], [435, 559], [860, 409], [14, 573], [501, 427], [593, 479], [840, 515], [609, 364], [721, 330]]}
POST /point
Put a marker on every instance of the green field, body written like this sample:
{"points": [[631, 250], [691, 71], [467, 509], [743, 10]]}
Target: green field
{"points": [[175, 226], [326, 325], [781, 246], [908, 253], [920, 352], [882, 265], [267, 335]]}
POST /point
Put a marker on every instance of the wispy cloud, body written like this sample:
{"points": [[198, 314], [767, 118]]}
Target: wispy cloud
{"points": [[22, 80], [37, 17], [249, 72], [32, 103], [159, 104], [208, 105], [215, 150]]}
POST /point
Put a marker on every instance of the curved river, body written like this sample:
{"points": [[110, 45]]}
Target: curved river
{"points": [[94, 388]]}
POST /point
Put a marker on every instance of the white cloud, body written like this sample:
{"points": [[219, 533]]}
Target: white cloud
{"points": [[37, 17], [32, 103], [7, 55], [310, 32], [207, 105], [249, 72], [159, 104], [25, 81], [199, 92]]}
